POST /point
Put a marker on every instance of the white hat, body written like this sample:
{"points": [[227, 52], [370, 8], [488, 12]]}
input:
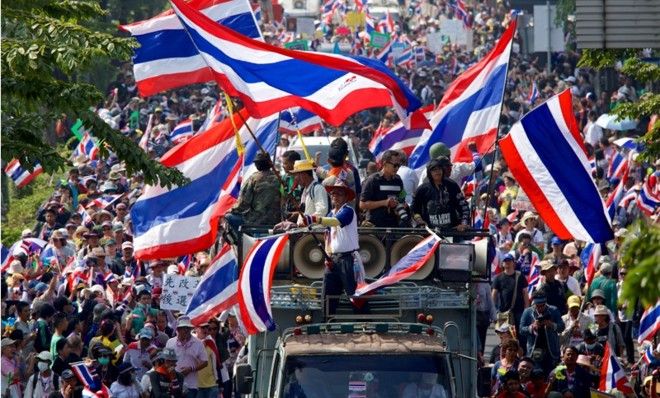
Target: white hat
{"points": [[126, 245], [27, 232], [45, 356], [15, 267], [184, 322]]}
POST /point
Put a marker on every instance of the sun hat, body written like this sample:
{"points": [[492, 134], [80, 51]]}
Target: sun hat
{"points": [[301, 166], [333, 183], [184, 322], [573, 301], [601, 310]]}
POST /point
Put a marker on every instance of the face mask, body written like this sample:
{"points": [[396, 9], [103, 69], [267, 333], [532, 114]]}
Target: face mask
{"points": [[43, 366], [104, 361]]}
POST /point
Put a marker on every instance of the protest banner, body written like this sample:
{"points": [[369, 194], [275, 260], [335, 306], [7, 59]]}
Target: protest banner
{"points": [[177, 291]]}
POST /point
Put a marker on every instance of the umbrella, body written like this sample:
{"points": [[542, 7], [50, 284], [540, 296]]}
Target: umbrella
{"points": [[612, 122]]}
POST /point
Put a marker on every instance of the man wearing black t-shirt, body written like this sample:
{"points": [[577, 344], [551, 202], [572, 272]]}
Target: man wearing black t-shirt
{"points": [[383, 191], [503, 292]]}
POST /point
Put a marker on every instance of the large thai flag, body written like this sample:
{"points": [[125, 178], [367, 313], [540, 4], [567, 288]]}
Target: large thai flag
{"points": [[397, 137], [269, 79], [299, 119], [589, 257], [646, 201], [546, 155], [612, 374], [21, 176], [218, 288], [167, 57], [255, 282], [404, 268], [470, 109], [171, 222], [85, 375], [649, 324], [182, 132]]}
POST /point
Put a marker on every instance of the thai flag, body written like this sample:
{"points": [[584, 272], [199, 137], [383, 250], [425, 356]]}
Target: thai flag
{"points": [[255, 282], [648, 357], [470, 108], [533, 278], [564, 193], [420, 53], [397, 137], [21, 176], [6, 257], [629, 197], [332, 86], [134, 271], [612, 374], [184, 264], [592, 164], [28, 246], [386, 24], [167, 57], [213, 118], [461, 12], [614, 200], [407, 266], [646, 201], [384, 53], [533, 94], [256, 10], [87, 377], [360, 5], [299, 119], [109, 277], [649, 324], [87, 146], [617, 167], [101, 392], [165, 223], [86, 219], [469, 185], [405, 59], [627, 143], [105, 201], [327, 11], [218, 288], [589, 257], [182, 132]]}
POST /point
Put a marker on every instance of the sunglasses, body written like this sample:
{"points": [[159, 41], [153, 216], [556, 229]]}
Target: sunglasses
{"points": [[395, 165]]}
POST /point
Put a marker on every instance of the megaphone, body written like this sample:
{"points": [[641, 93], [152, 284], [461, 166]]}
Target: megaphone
{"points": [[402, 247], [481, 264], [308, 256], [282, 265], [373, 254]]}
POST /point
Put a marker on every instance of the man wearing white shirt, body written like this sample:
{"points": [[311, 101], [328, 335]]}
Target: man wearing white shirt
{"points": [[408, 176], [593, 132], [190, 353], [314, 198]]}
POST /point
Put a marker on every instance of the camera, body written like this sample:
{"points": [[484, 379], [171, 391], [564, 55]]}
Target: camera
{"points": [[402, 212]]}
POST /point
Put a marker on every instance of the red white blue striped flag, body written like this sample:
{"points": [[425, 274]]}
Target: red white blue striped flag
{"points": [[649, 324], [612, 374], [20, 175], [546, 155], [255, 282]]}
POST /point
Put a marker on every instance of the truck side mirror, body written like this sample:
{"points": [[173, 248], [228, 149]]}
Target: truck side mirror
{"points": [[243, 378], [483, 382]]}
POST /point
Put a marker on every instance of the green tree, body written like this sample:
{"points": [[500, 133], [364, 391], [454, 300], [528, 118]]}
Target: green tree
{"points": [[46, 45], [641, 253]]}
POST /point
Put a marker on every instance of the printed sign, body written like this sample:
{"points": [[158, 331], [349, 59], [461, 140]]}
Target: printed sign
{"points": [[177, 292], [355, 19], [379, 40], [297, 45]]}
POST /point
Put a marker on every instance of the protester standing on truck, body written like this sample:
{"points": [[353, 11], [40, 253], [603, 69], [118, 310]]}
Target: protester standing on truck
{"points": [[341, 243]]}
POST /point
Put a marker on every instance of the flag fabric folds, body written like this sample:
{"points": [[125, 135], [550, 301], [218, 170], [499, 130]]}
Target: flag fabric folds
{"points": [[545, 154], [649, 324], [397, 137], [589, 257], [182, 132], [646, 201], [533, 94], [255, 282], [269, 79], [167, 58], [87, 147], [612, 374], [218, 288], [408, 265], [299, 119], [470, 108], [648, 356], [21, 176], [180, 220]]}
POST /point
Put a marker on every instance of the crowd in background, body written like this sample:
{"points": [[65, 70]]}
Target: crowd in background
{"points": [[85, 297]]}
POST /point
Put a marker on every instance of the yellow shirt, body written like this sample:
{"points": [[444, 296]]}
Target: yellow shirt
{"points": [[206, 377]]}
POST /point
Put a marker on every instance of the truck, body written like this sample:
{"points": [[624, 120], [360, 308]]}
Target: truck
{"points": [[419, 337]]}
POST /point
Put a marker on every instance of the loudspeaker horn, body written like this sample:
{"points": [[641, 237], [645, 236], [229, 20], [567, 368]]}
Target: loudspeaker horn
{"points": [[282, 265], [308, 257], [402, 247], [373, 254], [481, 257]]}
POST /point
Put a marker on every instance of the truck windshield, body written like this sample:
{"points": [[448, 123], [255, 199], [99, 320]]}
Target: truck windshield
{"points": [[368, 376]]}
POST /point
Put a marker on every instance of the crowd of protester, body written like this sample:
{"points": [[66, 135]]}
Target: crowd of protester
{"points": [[84, 297]]}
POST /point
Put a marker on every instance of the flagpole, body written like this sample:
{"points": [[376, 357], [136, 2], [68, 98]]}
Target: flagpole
{"points": [[499, 122]]}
